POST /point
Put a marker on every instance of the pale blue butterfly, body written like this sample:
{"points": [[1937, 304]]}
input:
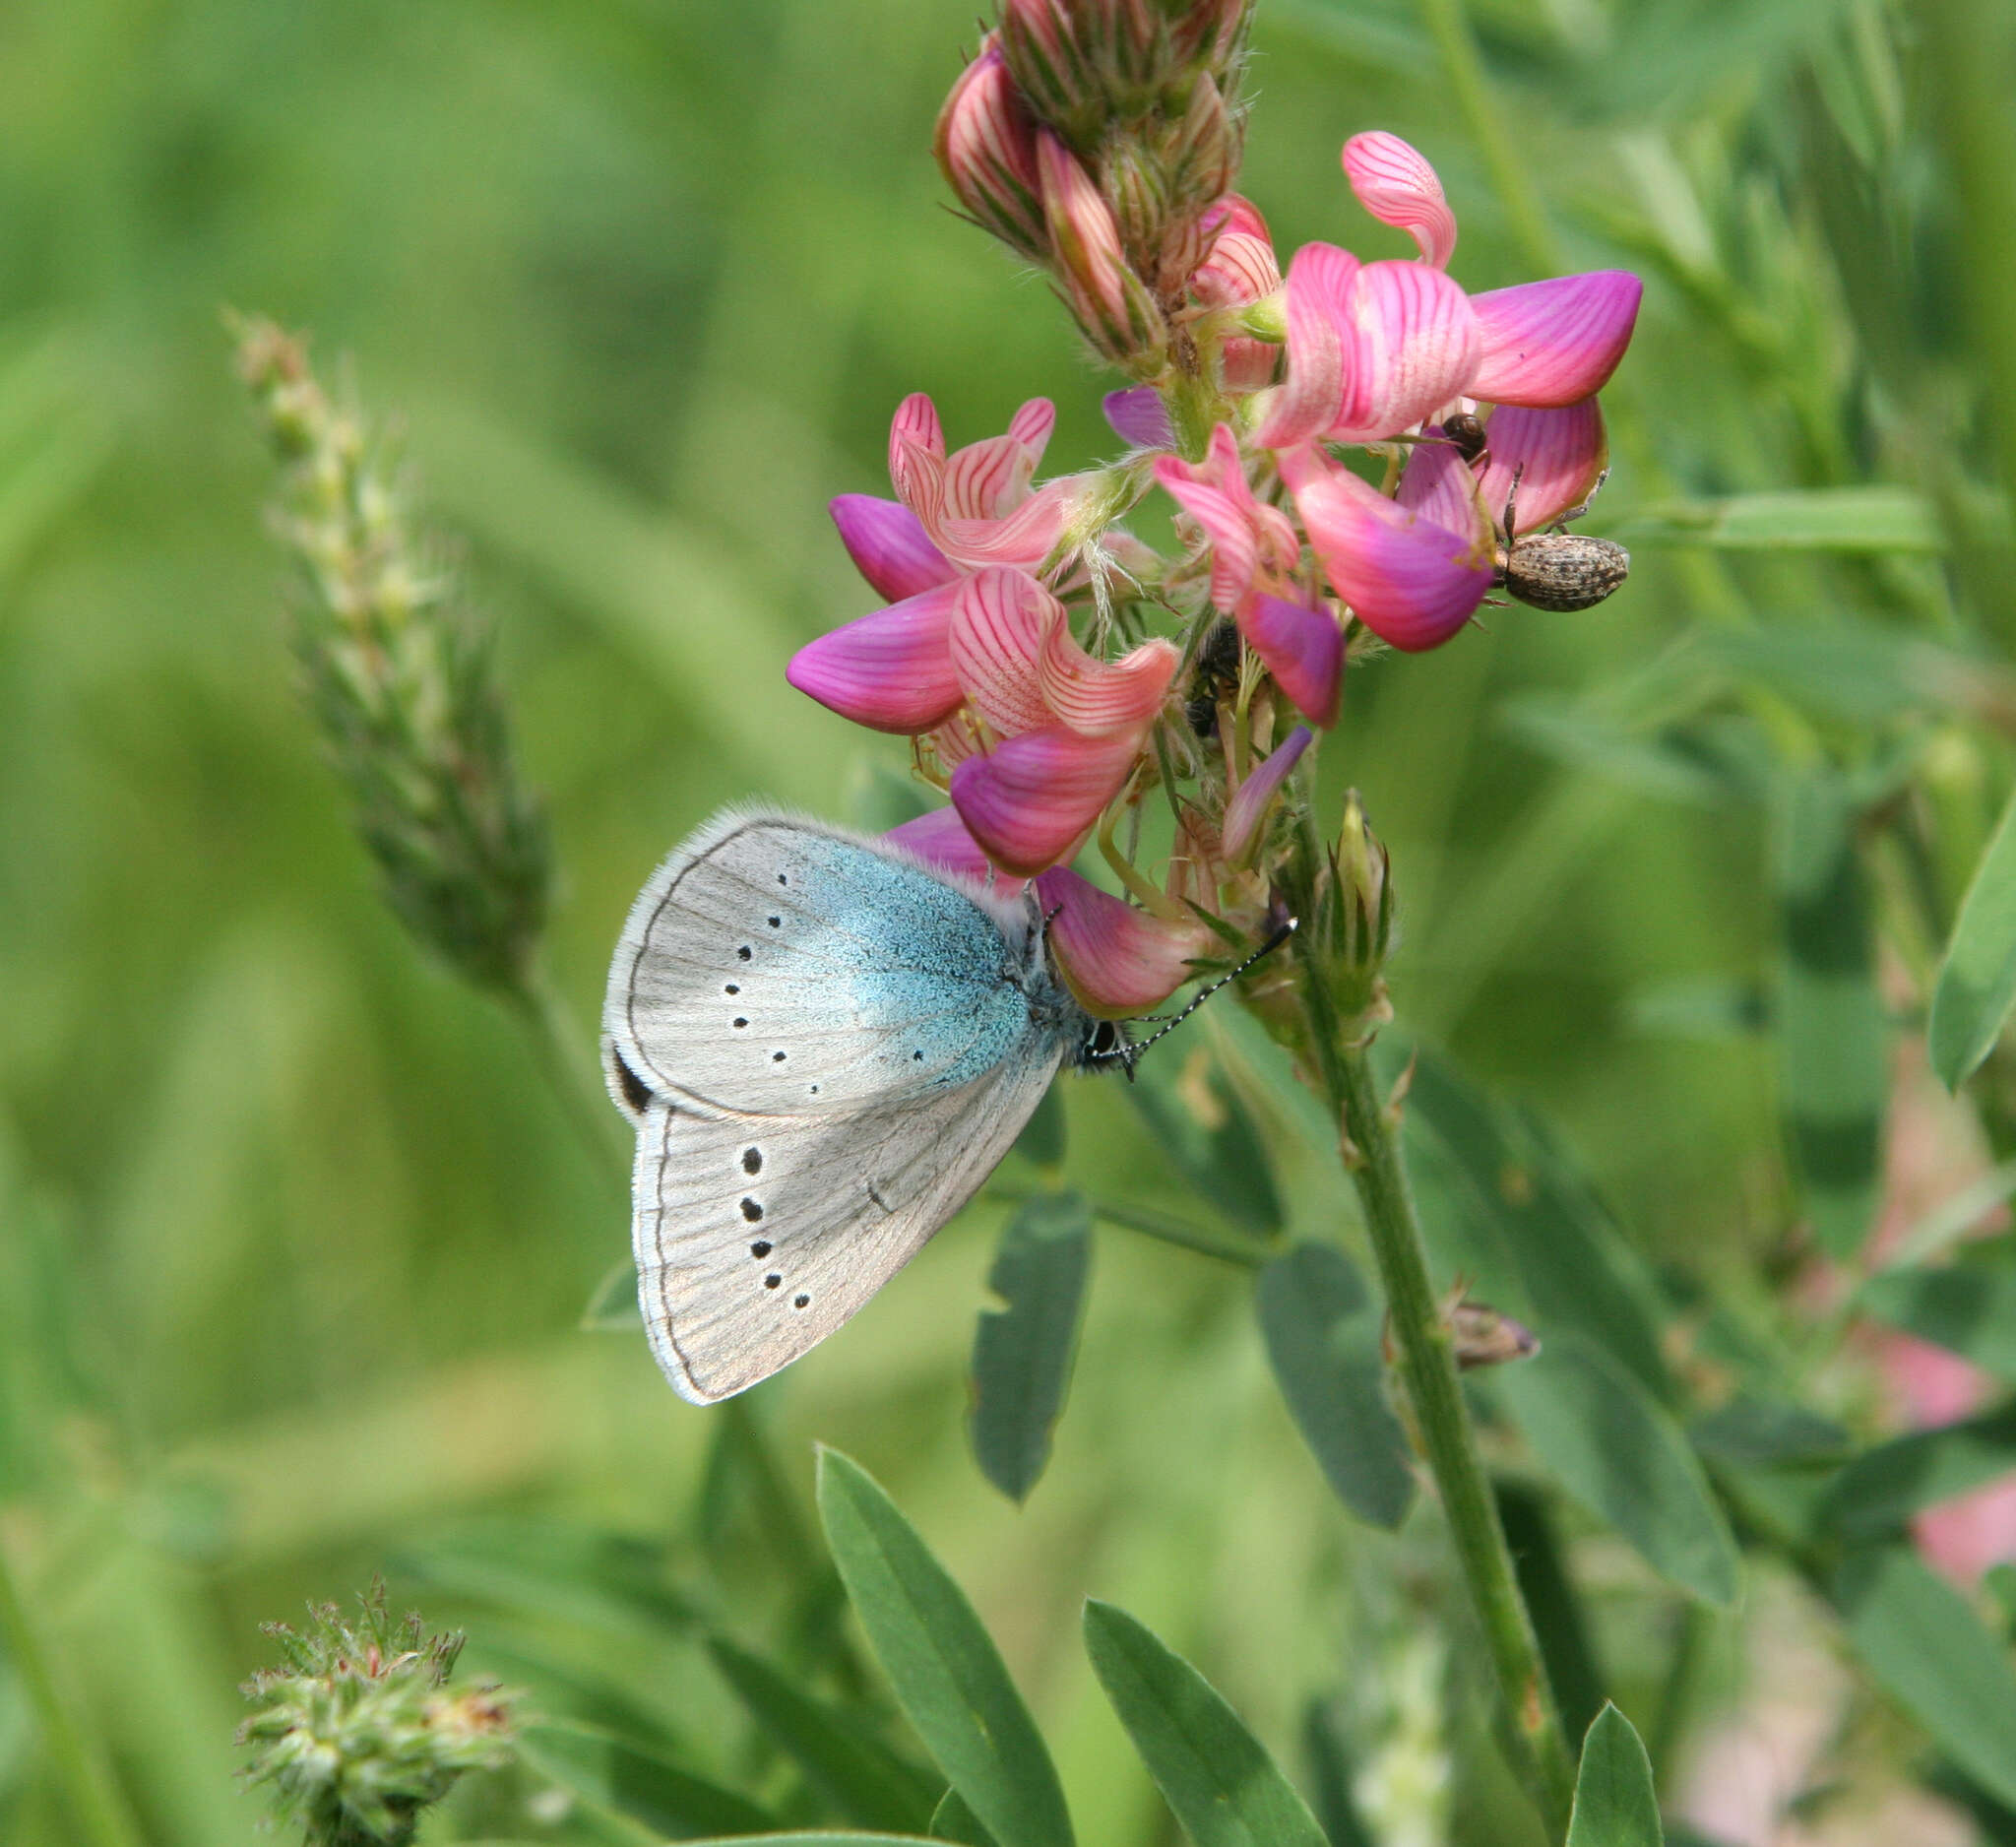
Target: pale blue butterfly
{"points": [[826, 1046]]}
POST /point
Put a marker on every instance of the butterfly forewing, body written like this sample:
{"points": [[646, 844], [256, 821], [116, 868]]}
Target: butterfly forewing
{"points": [[756, 1237], [772, 966]]}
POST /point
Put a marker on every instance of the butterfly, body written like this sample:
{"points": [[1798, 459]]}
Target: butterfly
{"points": [[826, 1046]]}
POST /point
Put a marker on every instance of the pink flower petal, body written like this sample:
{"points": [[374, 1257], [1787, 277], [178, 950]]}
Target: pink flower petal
{"points": [[1117, 958], [1138, 417], [1302, 648], [1411, 582], [891, 671], [889, 546], [913, 429], [1246, 537], [1319, 286], [985, 144], [1244, 812], [1556, 454], [1026, 536], [1031, 427], [1240, 269], [1104, 698], [1399, 187], [994, 638], [1233, 214], [1245, 365], [1437, 485], [1033, 798], [1553, 343], [940, 840]]}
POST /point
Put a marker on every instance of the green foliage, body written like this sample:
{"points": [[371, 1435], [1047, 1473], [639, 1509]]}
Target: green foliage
{"points": [[1978, 980], [1614, 1806]]}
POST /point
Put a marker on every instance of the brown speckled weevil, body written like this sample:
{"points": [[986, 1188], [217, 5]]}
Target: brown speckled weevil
{"points": [[1558, 570]]}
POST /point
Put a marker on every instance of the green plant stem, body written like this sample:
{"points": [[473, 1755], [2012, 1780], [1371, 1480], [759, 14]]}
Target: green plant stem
{"points": [[558, 1046], [1428, 1369], [95, 1802]]}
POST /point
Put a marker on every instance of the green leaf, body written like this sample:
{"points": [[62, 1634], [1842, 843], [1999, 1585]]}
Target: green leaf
{"points": [[1977, 983], [1969, 1307], [1322, 1328], [1618, 1452], [821, 1839], [850, 1768], [1614, 1802], [1224, 1787], [1525, 1226], [1752, 1433], [1202, 1123], [611, 1306], [1879, 1492], [614, 1774], [1021, 1353], [1833, 1034], [1919, 1639], [1331, 1778], [945, 1670], [952, 1820], [1042, 1140], [1558, 1621], [1817, 519]]}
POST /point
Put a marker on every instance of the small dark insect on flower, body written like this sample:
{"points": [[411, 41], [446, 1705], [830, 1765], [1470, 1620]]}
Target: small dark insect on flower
{"points": [[1466, 433], [1558, 570], [1215, 674]]}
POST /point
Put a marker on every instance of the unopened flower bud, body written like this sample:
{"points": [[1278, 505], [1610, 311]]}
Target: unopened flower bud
{"points": [[1482, 1336], [1353, 924], [1113, 306], [985, 144]]}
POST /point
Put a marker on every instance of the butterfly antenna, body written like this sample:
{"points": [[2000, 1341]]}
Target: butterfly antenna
{"points": [[1127, 1054]]}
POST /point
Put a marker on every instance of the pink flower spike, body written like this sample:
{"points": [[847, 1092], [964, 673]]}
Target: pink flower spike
{"points": [[1117, 959], [891, 671], [1248, 808], [1408, 580], [1138, 417], [1553, 343], [1557, 454], [1034, 798], [940, 840], [1302, 648], [994, 639], [1398, 187], [1104, 698], [889, 546]]}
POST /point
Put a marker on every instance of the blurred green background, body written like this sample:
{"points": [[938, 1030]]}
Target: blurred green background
{"points": [[295, 1242]]}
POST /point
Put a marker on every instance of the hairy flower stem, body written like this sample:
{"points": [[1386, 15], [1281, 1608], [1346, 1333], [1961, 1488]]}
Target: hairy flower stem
{"points": [[95, 1802], [1428, 1369]]}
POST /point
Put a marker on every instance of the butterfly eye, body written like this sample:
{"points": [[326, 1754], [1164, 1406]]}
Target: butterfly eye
{"points": [[1105, 1036]]}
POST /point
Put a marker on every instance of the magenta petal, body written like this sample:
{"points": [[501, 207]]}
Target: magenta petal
{"points": [[1117, 959], [1415, 346], [1411, 582], [1033, 798], [940, 840], [889, 546], [1557, 454], [1397, 185], [1553, 343], [1319, 294], [1244, 812], [891, 671], [1437, 485], [1304, 650], [1138, 417]]}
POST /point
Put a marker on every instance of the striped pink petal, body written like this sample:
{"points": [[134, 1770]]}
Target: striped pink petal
{"points": [[1117, 959], [889, 546], [1407, 579], [1246, 537], [1319, 289], [1031, 427], [914, 432], [1398, 187], [1138, 417], [1557, 454], [1302, 648], [994, 640], [1032, 800], [953, 742], [940, 840], [891, 671], [1242, 268], [1104, 698], [1437, 485], [1247, 366], [1553, 343], [1235, 213], [1246, 811]]}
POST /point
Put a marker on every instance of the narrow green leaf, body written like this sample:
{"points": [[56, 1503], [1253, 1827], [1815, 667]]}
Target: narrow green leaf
{"points": [[583, 1574], [1619, 1453], [845, 1763], [1879, 1492], [1042, 1138], [611, 1306], [946, 1672], [1755, 1433], [1224, 1787], [1021, 1353], [1331, 1777], [1614, 1802], [1202, 1123], [1525, 1226], [1816, 518], [1977, 983], [1969, 1307], [1558, 1621], [1926, 1648], [952, 1820], [820, 1839], [1833, 1034], [614, 1774], [1322, 1328]]}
